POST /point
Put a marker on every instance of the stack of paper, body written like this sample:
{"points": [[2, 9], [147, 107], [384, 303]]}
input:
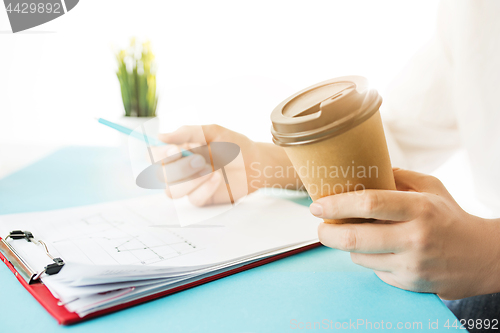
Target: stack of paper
{"points": [[122, 251]]}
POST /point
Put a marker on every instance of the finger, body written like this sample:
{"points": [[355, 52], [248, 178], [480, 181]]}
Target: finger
{"points": [[167, 154], [184, 168], [221, 196], [414, 181], [377, 261], [376, 204], [365, 237], [204, 194], [195, 148], [205, 171], [190, 145], [198, 134], [185, 188], [389, 278]]}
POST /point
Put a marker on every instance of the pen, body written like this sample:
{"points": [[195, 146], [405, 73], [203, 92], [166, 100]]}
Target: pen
{"points": [[143, 137]]}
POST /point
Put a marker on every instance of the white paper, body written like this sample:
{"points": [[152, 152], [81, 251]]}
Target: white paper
{"points": [[123, 249]]}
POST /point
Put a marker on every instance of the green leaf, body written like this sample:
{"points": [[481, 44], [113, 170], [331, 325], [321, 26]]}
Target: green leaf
{"points": [[138, 86]]}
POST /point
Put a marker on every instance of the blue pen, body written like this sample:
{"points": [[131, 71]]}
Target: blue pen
{"points": [[143, 137]]}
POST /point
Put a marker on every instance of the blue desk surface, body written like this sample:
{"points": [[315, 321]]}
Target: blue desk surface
{"points": [[321, 285]]}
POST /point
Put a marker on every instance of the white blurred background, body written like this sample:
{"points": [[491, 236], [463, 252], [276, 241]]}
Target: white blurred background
{"points": [[225, 62]]}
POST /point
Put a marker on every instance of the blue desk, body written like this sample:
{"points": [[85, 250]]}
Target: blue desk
{"points": [[321, 285]]}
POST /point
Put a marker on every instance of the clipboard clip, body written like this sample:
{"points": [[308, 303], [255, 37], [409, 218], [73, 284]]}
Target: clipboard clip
{"points": [[28, 273]]}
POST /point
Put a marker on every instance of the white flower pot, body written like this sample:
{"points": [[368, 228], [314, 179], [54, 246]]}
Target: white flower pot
{"points": [[132, 148]]}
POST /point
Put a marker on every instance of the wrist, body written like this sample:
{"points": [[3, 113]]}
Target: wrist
{"points": [[270, 167], [491, 235], [255, 162], [262, 165]]}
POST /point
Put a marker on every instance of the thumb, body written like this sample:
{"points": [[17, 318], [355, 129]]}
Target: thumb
{"points": [[192, 134], [407, 180]]}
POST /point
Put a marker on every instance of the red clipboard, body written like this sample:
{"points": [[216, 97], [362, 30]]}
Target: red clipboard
{"points": [[64, 317]]}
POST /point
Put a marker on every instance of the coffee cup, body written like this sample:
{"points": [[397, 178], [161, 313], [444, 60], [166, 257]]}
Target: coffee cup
{"points": [[333, 134]]}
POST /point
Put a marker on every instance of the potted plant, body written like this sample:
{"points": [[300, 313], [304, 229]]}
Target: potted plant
{"points": [[136, 73], [137, 76]]}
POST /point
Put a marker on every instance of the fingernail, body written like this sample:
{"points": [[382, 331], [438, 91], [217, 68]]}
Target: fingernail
{"points": [[197, 162], [316, 209]]}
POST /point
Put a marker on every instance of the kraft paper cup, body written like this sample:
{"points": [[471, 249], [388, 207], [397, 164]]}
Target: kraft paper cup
{"points": [[333, 134]]}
